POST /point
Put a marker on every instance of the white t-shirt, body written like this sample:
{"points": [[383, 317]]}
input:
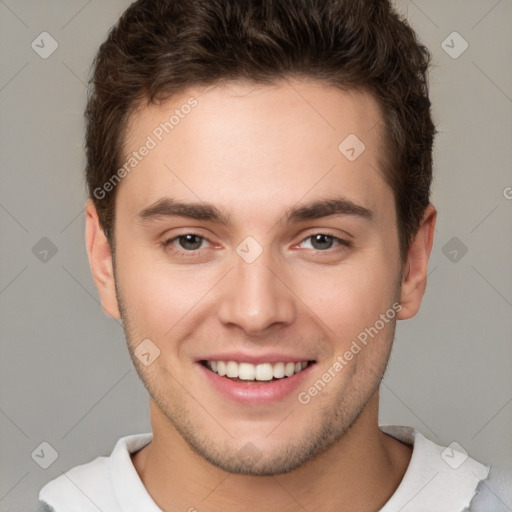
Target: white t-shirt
{"points": [[438, 479]]}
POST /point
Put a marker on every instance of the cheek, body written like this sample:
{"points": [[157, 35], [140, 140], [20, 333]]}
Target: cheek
{"points": [[347, 298], [159, 298]]}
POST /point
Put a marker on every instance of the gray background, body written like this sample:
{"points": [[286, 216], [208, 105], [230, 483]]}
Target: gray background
{"points": [[66, 377]]}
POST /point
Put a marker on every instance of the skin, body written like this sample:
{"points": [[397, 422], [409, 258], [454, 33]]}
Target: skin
{"points": [[254, 152]]}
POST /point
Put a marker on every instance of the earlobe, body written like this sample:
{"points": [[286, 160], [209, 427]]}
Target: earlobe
{"points": [[414, 280], [100, 261]]}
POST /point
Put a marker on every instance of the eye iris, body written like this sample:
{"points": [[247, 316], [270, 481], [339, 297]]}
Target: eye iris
{"points": [[190, 242], [322, 241]]}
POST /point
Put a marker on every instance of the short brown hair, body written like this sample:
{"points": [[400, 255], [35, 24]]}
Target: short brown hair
{"points": [[159, 48]]}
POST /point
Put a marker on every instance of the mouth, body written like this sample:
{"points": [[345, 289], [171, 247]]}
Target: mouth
{"points": [[256, 373], [255, 379]]}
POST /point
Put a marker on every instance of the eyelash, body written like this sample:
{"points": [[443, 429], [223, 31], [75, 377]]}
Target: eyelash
{"points": [[341, 242]]}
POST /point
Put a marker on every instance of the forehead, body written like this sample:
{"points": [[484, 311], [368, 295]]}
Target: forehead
{"points": [[249, 143], [307, 108]]}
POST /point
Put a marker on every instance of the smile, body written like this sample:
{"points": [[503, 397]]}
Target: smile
{"points": [[263, 372]]}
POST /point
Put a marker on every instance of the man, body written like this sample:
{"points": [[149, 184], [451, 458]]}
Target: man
{"points": [[259, 218]]}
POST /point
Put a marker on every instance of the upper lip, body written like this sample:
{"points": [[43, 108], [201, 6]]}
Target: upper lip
{"points": [[240, 357]]}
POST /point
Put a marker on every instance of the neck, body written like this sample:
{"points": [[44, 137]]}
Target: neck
{"points": [[363, 468]]}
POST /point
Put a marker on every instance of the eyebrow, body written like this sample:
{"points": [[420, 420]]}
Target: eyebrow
{"points": [[325, 208], [169, 207]]}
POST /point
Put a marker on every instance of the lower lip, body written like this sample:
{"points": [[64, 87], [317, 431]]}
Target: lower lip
{"points": [[253, 392]]}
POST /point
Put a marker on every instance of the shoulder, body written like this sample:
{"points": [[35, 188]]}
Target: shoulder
{"points": [[44, 507], [78, 486], [92, 486], [440, 478], [494, 494]]}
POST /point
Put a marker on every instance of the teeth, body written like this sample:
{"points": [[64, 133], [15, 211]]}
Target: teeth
{"points": [[231, 369], [245, 371], [221, 368], [278, 370], [264, 372], [289, 369], [259, 372]]}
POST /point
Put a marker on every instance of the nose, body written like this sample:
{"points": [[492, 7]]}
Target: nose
{"points": [[256, 296]]}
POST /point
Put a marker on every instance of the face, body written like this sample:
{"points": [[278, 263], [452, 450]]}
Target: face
{"points": [[246, 241]]}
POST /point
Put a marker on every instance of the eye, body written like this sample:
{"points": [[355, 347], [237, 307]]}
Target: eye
{"points": [[188, 242], [324, 241]]}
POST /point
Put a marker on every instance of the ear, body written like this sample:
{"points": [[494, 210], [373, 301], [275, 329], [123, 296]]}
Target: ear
{"points": [[100, 261], [414, 280]]}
